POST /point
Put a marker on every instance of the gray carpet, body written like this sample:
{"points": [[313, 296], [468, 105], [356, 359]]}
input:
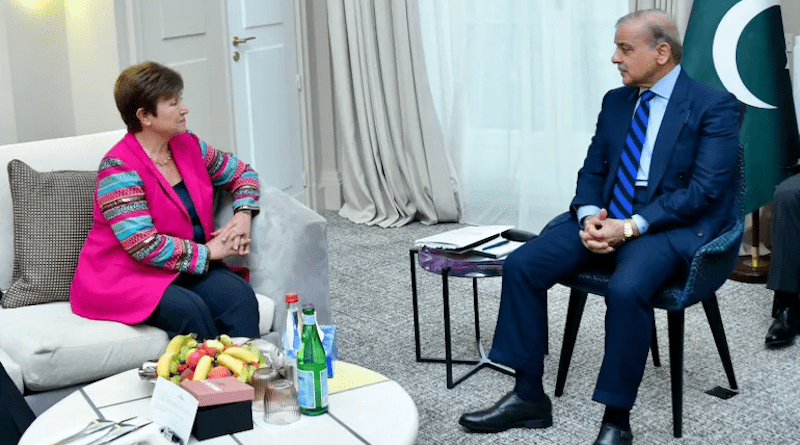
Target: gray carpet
{"points": [[371, 300]]}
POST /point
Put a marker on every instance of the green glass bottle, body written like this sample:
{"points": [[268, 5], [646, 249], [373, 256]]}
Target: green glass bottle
{"points": [[312, 368]]}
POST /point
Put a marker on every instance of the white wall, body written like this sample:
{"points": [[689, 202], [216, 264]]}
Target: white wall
{"points": [[39, 68], [93, 64], [8, 125], [58, 63], [325, 176]]}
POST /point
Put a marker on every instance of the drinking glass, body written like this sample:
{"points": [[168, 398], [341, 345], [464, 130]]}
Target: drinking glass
{"points": [[261, 378], [280, 403]]}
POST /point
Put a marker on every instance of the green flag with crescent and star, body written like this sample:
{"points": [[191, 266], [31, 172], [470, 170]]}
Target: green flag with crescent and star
{"points": [[738, 46]]}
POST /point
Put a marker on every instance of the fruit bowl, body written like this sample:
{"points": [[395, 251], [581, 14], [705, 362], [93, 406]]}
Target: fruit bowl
{"points": [[187, 359]]}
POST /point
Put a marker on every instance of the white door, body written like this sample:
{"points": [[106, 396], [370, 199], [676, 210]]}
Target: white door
{"points": [[265, 84], [189, 36]]}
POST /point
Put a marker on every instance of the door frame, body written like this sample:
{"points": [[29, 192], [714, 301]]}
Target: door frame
{"points": [[130, 44]]}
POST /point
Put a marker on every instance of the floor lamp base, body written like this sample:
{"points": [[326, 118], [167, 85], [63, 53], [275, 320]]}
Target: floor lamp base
{"points": [[746, 272]]}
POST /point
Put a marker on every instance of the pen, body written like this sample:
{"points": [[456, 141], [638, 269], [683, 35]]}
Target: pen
{"points": [[497, 244]]}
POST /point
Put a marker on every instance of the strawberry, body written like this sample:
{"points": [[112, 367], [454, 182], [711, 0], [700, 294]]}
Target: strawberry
{"points": [[218, 372], [194, 357], [182, 367]]}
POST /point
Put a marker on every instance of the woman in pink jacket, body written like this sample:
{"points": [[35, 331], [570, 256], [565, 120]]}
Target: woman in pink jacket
{"points": [[153, 254]]}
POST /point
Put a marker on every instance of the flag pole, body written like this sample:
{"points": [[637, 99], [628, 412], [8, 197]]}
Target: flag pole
{"points": [[752, 268]]}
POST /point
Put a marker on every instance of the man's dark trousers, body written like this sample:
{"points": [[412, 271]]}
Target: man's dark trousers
{"points": [[641, 266], [784, 272]]}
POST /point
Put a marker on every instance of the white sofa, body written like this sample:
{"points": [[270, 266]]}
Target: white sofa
{"points": [[46, 346]]}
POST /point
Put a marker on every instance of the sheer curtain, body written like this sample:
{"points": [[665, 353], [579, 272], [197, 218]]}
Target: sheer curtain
{"points": [[678, 9], [517, 86]]}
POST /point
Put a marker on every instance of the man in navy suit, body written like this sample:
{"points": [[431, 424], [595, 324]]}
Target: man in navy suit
{"points": [[646, 227]]}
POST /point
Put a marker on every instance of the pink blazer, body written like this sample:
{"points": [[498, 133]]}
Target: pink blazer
{"points": [[109, 284]]}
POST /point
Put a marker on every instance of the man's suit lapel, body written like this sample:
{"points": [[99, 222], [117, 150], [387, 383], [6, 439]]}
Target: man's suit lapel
{"points": [[675, 117]]}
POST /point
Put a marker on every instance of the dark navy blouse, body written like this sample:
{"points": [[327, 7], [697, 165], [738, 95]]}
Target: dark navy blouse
{"points": [[183, 193]]}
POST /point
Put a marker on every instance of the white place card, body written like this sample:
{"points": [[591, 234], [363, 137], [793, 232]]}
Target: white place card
{"points": [[173, 409]]}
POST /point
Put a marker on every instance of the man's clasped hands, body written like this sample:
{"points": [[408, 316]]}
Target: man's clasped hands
{"points": [[601, 234]]}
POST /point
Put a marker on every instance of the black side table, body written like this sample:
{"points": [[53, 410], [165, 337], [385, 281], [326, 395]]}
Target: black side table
{"points": [[449, 265]]}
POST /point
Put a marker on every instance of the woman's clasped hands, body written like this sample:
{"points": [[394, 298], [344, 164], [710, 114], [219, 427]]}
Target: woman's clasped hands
{"points": [[231, 239]]}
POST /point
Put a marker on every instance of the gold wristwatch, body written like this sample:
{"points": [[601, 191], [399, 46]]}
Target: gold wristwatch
{"points": [[627, 229]]}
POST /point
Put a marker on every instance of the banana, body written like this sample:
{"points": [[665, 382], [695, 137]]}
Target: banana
{"points": [[242, 354], [215, 344], [262, 361], [174, 346], [226, 339], [203, 366], [237, 366], [165, 364]]}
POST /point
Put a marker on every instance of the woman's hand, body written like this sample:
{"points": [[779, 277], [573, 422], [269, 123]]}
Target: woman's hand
{"points": [[233, 238], [218, 249]]}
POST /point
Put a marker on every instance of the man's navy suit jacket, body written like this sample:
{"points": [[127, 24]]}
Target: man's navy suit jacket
{"points": [[691, 187]]}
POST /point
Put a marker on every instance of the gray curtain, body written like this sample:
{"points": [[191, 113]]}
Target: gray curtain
{"points": [[393, 161]]}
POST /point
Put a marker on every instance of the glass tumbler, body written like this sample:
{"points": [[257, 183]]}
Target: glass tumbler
{"points": [[280, 403], [261, 378]]}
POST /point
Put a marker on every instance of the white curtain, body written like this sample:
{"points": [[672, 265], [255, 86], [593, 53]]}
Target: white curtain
{"points": [[518, 85], [678, 9]]}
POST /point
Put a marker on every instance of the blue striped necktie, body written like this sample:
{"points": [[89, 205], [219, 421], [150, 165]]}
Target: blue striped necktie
{"points": [[621, 205]]}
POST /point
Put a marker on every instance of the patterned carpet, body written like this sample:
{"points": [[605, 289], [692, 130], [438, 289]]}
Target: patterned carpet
{"points": [[371, 300]]}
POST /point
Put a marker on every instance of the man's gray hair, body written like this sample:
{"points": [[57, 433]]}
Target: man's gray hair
{"points": [[662, 30]]}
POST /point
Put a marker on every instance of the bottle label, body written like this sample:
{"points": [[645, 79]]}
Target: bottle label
{"points": [[309, 319], [291, 335], [306, 390], [323, 384]]}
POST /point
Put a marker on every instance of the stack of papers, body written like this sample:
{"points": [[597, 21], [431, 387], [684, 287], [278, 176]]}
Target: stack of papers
{"points": [[463, 239], [496, 248]]}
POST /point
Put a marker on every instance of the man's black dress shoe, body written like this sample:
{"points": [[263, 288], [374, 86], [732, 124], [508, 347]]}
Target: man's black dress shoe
{"points": [[509, 412], [784, 328], [611, 434]]}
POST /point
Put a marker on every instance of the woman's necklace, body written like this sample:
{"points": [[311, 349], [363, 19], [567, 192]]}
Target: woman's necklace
{"points": [[165, 162]]}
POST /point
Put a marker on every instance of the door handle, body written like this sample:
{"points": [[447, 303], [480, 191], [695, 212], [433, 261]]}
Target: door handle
{"points": [[237, 41]]}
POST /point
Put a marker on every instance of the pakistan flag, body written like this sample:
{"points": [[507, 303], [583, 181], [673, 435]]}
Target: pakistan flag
{"points": [[738, 46]]}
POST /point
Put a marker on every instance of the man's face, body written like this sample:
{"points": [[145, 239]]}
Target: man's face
{"points": [[636, 60]]}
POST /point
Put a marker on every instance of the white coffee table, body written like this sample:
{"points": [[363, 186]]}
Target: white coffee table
{"points": [[365, 408]]}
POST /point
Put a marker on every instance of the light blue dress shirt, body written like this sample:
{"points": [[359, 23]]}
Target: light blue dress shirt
{"points": [[658, 105]]}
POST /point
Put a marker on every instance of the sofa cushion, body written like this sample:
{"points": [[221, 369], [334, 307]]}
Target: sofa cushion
{"points": [[56, 348], [266, 312], [52, 214]]}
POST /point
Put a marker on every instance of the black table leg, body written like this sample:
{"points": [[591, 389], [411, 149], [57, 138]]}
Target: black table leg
{"points": [[482, 362]]}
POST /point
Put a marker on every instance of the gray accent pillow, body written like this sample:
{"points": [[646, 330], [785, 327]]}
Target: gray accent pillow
{"points": [[52, 215]]}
